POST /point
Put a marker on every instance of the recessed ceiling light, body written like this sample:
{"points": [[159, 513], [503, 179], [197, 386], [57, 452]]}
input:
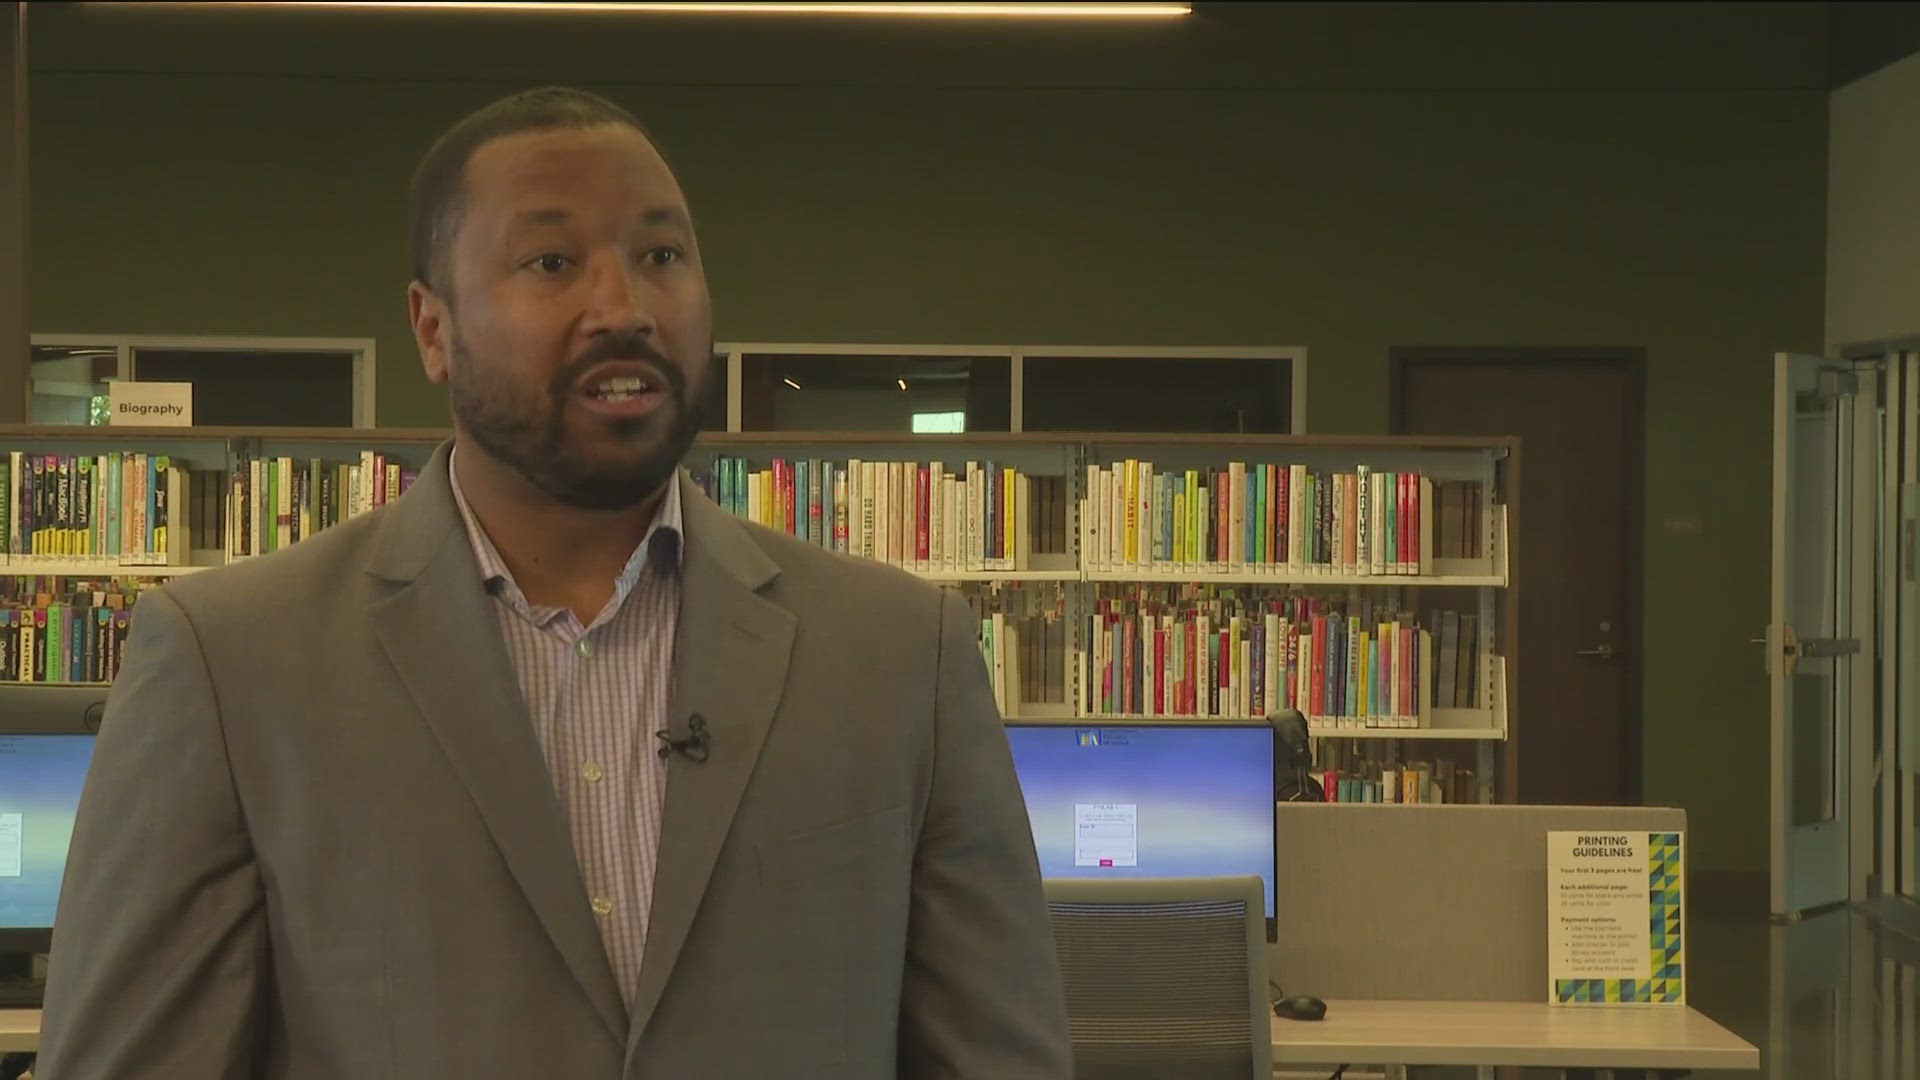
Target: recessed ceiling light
{"points": [[1121, 10]]}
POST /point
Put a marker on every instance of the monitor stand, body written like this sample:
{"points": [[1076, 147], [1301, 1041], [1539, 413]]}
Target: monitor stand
{"points": [[18, 987]]}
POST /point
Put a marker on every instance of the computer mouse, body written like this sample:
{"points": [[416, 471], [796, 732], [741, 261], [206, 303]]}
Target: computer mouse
{"points": [[1300, 1007]]}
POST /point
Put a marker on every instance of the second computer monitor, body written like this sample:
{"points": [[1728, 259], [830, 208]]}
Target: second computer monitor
{"points": [[46, 744], [1150, 799]]}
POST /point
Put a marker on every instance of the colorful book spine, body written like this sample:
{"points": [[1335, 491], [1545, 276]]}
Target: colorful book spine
{"points": [[922, 517]]}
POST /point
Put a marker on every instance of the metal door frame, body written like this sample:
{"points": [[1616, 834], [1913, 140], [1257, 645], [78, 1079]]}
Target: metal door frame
{"points": [[1888, 791], [1854, 525]]}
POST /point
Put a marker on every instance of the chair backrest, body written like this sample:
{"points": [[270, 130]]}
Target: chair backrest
{"points": [[1165, 977]]}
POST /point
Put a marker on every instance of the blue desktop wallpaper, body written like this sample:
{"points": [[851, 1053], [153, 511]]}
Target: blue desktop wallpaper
{"points": [[40, 780], [1202, 797]]}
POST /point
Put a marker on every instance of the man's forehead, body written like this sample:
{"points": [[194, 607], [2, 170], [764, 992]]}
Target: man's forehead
{"points": [[528, 161]]}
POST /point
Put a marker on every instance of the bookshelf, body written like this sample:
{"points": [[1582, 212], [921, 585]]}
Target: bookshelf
{"points": [[105, 545], [1034, 564], [1473, 577]]}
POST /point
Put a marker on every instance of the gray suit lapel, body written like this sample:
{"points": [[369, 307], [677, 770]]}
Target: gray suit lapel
{"points": [[443, 637], [730, 663]]}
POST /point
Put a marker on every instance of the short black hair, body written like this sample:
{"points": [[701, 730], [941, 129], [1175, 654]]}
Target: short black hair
{"points": [[437, 182]]}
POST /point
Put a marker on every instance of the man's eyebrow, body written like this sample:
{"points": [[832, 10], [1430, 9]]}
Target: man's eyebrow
{"points": [[658, 215], [664, 215], [551, 216]]}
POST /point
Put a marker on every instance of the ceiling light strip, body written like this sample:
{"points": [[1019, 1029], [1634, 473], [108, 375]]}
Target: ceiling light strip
{"points": [[769, 7]]}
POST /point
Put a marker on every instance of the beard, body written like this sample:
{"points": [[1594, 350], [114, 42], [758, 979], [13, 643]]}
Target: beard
{"points": [[529, 433]]}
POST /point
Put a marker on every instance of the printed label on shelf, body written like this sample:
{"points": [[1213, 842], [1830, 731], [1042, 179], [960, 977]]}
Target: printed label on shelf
{"points": [[150, 404]]}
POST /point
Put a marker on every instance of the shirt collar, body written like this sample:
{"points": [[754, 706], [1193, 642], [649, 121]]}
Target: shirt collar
{"points": [[664, 539]]}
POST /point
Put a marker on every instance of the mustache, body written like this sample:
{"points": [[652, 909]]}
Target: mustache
{"points": [[621, 346]]}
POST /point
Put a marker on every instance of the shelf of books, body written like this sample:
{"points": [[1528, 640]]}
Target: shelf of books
{"points": [[992, 511], [91, 516], [1364, 581]]}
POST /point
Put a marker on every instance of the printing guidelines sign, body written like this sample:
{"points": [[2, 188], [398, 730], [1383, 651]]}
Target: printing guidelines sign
{"points": [[150, 404], [1615, 919]]}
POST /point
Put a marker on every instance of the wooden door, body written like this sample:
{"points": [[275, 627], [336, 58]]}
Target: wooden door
{"points": [[1579, 416]]}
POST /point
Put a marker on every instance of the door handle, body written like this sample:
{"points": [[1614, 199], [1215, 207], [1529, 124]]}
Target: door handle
{"points": [[1604, 652], [1794, 648], [1814, 648]]}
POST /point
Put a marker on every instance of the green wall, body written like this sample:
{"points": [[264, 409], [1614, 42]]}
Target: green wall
{"points": [[1686, 219], [1873, 223]]}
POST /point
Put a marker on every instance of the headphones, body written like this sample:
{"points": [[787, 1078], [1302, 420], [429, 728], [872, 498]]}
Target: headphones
{"points": [[1296, 783]]}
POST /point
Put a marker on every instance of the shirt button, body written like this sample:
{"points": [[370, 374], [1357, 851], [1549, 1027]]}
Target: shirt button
{"points": [[602, 906], [592, 771], [586, 648]]}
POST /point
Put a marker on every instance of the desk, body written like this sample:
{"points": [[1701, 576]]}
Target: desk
{"points": [[1426, 1033], [1490, 1033], [19, 1030]]}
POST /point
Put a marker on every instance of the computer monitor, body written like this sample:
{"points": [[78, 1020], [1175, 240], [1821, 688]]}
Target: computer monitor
{"points": [[1150, 799], [46, 744]]}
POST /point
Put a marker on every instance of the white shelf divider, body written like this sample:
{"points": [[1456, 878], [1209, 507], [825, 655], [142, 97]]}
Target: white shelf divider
{"points": [[1307, 580], [84, 568], [999, 575], [1321, 731]]}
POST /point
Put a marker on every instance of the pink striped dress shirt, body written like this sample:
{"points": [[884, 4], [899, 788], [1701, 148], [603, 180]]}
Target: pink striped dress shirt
{"points": [[596, 694]]}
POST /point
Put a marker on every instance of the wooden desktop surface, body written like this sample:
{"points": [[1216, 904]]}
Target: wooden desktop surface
{"points": [[1510, 1033], [19, 1029], [1428, 1033]]}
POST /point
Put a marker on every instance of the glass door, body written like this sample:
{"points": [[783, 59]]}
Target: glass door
{"points": [[1812, 643]]}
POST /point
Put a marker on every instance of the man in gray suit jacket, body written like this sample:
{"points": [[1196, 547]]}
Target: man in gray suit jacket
{"points": [[387, 803]]}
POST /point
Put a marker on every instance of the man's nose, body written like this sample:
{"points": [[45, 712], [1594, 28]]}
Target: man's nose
{"points": [[619, 299]]}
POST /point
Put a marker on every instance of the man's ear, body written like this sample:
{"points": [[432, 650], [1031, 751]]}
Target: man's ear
{"points": [[432, 330]]}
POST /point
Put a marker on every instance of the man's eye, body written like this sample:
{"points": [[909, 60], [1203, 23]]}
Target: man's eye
{"points": [[663, 256], [550, 263]]}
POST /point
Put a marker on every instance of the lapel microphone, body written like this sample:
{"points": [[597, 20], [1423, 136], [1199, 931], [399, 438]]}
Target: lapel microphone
{"points": [[694, 746]]}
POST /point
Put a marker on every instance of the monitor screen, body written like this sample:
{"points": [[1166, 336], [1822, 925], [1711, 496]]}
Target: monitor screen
{"points": [[1149, 800], [40, 780]]}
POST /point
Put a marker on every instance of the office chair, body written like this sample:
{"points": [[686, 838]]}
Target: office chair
{"points": [[1165, 977]]}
